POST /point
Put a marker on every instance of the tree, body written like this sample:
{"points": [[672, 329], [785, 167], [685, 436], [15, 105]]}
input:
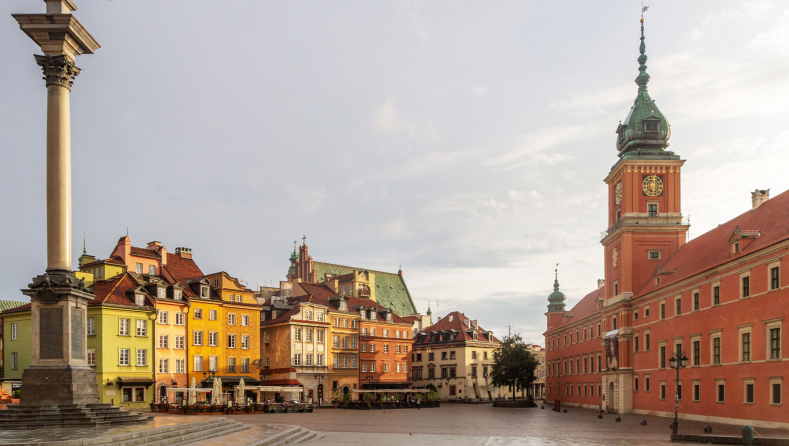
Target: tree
{"points": [[513, 364]]}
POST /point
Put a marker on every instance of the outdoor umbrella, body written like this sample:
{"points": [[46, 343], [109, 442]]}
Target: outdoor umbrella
{"points": [[193, 395], [241, 389], [217, 392]]}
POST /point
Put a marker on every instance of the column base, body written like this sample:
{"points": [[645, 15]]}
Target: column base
{"points": [[56, 385]]}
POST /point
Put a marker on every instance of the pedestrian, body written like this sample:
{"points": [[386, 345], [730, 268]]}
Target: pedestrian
{"points": [[418, 403]]}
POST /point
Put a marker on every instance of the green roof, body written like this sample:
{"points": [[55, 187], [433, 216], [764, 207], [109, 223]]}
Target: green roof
{"points": [[390, 288], [9, 304]]}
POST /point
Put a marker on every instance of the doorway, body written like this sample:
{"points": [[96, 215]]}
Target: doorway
{"points": [[611, 398]]}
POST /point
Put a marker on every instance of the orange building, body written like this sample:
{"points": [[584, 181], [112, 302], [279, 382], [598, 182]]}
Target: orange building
{"points": [[385, 343], [719, 300]]}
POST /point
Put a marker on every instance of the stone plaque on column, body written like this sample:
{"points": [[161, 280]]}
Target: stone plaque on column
{"points": [[76, 334], [51, 329]]}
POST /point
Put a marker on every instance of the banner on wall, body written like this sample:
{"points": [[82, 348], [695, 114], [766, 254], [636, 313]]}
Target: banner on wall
{"points": [[611, 350]]}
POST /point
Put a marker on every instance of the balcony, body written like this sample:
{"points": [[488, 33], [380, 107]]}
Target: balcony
{"points": [[639, 220]]}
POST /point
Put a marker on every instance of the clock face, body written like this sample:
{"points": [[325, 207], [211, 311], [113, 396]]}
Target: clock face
{"points": [[618, 193], [653, 186]]}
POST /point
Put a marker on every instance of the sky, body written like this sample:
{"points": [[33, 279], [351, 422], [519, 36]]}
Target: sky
{"points": [[464, 141]]}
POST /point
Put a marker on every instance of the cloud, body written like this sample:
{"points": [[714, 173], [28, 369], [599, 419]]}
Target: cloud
{"points": [[479, 92]]}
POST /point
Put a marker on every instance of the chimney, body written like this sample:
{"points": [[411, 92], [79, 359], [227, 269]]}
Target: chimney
{"points": [[758, 197], [600, 283], [154, 245], [185, 253], [163, 253], [475, 324]]}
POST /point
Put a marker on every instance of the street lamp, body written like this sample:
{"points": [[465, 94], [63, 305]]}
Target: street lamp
{"points": [[678, 361]]}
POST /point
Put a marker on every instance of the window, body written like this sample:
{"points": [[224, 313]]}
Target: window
{"points": [[336, 362], [336, 343], [213, 338], [749, 393], [231, 365], [635, 317], [746, 286], [320, 359], [386, 348], [662, 356], [696, 352], [244, 320], [308, 359], [646, 385], [635, 384], [198, 338], [679, 306], [736, 248], [164, 341], [353, 342], [652, 209], [180, 366], [372, 348], [320, 335], [443, 356], [696, 391], [662, 391], [320, 317], [13, 332], [231, 341], [386, 333], [245, 341], [123, 327], [91, 356], [179, 342], [372, 332], [297, 359], [616, 288], [15, 361], [646, 312], [775, 394], [614, 324], [746, 347], [211, 315], [431, 356], [245, 365], [142, 327], [142, 357], [198, 364], [716, 350], [297, 334], [775, 343], [213, 364], [151, 270], [231, 319], [354, 323], [308, 332], [164, 366], [386, 367], [138, 268], [662, 310], [364, 347], [405, 349], [163, 317], [353, 362], [91, 326], [775, 277], [635, 343], [198, 313], [372, 367], [179, 318], [177, 296], [696, 304], [452, 355], [716, 295], [721, 392], [650, 126]]}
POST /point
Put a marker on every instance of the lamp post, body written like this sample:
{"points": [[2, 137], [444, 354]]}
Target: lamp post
{"points": [[678, 361]]}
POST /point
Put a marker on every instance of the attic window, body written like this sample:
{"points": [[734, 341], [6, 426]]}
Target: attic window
{"points": [[177, 294], [736, 248], [343, 306], [651, 126], [139, 299], [373, 314], [161, 293], [204, 291], [216, 282], [621, 136], [389, 317]]}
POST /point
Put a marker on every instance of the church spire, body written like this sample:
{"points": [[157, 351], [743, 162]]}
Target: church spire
{"points": [[556, 299], [643, 78]]}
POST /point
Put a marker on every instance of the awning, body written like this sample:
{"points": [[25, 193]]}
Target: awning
{"points": [[279, 382], [188, 389], [135, 381], [230, 380], [385, 391], [278, 389]]}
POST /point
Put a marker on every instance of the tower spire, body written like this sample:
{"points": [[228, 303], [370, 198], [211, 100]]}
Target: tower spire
{"points": [[643, 78], [84, 244]]}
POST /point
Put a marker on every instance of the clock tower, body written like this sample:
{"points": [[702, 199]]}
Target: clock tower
{"points": [[645, 224]]}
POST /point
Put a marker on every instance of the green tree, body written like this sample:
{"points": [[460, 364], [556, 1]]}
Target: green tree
{"points": [[513, 365]]}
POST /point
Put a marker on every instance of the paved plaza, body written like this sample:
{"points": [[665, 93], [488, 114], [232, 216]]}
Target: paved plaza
{"points": [[461, 424]]}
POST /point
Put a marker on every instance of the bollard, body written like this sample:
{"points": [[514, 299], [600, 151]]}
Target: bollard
{"points": [[618, 419], [747, 435], [600, 415], [643, 422], [542, 407], [707, 429], [565, 410]]}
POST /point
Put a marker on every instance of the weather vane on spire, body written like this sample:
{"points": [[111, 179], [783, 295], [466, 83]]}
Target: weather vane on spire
{"points": [[643, 9]]}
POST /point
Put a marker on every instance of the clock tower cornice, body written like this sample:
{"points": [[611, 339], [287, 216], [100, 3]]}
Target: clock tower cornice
{"points": [[641, 165]]}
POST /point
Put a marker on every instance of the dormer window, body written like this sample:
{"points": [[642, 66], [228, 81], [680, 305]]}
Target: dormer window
{"points": [[736, 248], [216, 282], [389, 317], [177, 294], [161, 292], [373, 315], [622, 135], [363, 313], [343, 306], [204, 292], [651, 126], [139, 299]]}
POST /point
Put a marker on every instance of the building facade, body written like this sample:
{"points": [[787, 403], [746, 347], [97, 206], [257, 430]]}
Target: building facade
{"points": [[719, 299], [454, 357]]}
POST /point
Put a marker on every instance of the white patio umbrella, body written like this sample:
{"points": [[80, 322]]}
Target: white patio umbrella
{"points": [[217, 393], [193, 395], [240, 398]]}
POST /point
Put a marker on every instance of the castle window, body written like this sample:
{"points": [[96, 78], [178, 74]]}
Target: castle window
{"points": [[651, 126], [654, 255], [736, 248], [621, 136], [652, 209]]}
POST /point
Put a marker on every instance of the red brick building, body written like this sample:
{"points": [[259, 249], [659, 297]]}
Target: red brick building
{"points": [[720, 299]]}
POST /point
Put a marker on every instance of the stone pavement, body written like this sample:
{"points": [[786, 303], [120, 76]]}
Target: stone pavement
{"points": [[52, 435], [258, 432]]}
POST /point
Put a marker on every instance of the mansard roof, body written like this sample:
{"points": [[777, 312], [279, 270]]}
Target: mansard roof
{"points": [[390, 288]]}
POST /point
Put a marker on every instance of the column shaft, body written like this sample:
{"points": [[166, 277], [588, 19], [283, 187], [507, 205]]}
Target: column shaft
{"points": [[58, 178]]}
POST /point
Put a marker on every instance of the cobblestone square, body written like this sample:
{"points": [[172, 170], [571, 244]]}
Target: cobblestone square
{"points": [[482, 424]]}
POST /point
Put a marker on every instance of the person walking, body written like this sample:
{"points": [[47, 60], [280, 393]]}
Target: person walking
{"points": [[418, 403]]}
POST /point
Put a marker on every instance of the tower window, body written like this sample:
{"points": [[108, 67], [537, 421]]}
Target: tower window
{"points": [[651, 126], [654, 255], [652, 209]]}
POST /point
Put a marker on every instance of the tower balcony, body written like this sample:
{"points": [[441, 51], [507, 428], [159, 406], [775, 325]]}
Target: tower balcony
{"points": [[641, 220]]}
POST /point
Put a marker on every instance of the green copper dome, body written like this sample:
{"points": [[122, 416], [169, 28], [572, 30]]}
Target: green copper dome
{"points": [[556, 299], [293, 257], [645, 131]]}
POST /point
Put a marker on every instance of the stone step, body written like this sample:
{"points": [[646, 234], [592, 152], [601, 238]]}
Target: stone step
{"points": [[202, 435]]}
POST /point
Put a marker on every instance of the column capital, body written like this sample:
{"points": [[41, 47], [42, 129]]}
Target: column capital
{"points": [[58, 70]]}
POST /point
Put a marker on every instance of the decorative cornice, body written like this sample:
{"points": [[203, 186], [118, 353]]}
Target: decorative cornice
{"points": [[58, 70], [54, 285]]}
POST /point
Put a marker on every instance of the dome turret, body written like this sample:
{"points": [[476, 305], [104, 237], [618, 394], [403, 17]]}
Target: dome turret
{"points": [[645, 131], [293, 257], [556, 299]]}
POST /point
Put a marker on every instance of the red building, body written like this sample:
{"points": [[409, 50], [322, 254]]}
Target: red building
{"points": [[720, 299]]}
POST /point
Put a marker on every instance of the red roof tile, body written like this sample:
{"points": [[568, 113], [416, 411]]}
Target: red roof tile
{"points": [[113, 291], [585, 307], [455, 321], [145, 252], [182, 271], [769, 222]]}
